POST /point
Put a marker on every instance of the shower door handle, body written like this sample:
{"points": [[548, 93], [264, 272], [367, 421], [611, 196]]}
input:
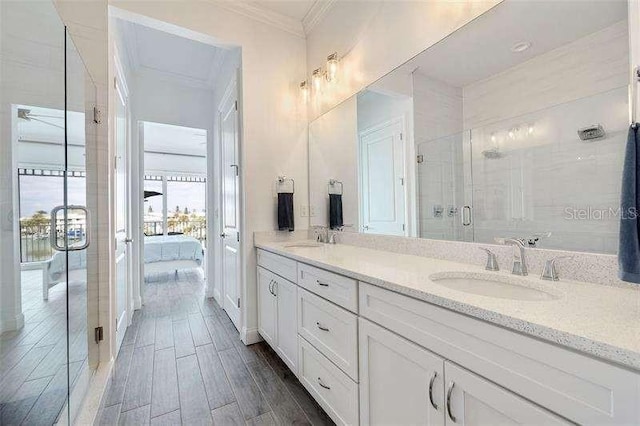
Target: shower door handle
{"points": [[53, 231], [466, 215]]}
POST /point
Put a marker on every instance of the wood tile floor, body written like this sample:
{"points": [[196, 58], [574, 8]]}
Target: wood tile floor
{"points": [[33, 360], [182, 362]]}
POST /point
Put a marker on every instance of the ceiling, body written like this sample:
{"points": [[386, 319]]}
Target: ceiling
{"points": [[178, 59], [296, 9], [483, 47], [171, 139], [297, 17]]}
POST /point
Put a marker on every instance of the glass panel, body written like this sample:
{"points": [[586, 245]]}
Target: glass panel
{"points": [[80, 95], [444, 188], [186, 214], [33, 294]]}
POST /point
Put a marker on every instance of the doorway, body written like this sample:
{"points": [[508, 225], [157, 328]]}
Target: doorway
{"points": [[184, 113]]}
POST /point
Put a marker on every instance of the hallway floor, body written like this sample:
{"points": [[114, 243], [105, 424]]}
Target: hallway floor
{"points": [[182, 362]]}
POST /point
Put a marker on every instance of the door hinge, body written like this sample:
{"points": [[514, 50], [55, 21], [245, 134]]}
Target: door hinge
{"points": [[400, 135], [420, 159], [403, 227], [99, 334], [402, 181], [236, 105], [97, 115], [115, 83], [238, 303]]}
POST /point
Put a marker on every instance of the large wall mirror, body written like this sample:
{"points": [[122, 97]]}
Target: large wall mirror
{"points": [[513, 126]]}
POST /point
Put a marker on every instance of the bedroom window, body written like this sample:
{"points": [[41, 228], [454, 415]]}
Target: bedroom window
{"points": [[40, 191], [175, 205]]}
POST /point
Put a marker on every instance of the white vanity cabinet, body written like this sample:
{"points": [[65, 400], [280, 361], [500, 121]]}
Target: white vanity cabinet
{"points": [[400, 382], [277, 315], [373, 356], [472, 400], [403, 383]]}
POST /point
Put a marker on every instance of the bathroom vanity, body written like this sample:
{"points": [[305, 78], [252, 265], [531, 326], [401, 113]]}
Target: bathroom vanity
{"points": [[385, 338]]}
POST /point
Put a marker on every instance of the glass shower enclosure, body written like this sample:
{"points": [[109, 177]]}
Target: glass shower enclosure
{"points": [[47, 100]]}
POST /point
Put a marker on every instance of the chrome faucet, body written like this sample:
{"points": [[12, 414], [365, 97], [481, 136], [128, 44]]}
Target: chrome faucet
{"points": [[492, 262], [549, 272], [322, 234], [519, 258]]}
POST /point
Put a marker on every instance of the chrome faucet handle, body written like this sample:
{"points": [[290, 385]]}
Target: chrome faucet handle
{"points": [[332, 237], [492, 261], [550, 272]]}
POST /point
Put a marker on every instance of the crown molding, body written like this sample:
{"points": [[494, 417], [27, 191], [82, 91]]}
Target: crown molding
{"points": [[263, 15], [315, 14]]}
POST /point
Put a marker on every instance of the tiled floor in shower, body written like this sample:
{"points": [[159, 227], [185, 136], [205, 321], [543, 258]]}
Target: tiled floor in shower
{"points": [[33, 379], [182, 362]]}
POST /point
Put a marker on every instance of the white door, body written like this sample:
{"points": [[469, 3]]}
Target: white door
{"points": [[382, 179], [267, 307], [230, 206], [122, 241], [287, 346], [476, 401], [400, 382]]}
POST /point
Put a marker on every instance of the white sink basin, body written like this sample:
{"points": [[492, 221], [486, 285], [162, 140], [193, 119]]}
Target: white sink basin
{"points": [[493, 285], [303, 245]]}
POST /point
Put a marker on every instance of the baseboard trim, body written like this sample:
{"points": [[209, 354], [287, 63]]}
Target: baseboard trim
{"points": [[250, 336], [92, 402], [12, 324]]}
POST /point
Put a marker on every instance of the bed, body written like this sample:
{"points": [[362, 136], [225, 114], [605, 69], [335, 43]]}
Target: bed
{"points": [[162, 254]]}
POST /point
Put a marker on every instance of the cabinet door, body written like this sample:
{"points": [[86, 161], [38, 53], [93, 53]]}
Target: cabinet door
{"points": [[400, 382], [267, 302], [472, 400], [287, 322]]}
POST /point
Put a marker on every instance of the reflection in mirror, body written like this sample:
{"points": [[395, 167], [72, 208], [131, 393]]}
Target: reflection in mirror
{"points": [[511, 133]]}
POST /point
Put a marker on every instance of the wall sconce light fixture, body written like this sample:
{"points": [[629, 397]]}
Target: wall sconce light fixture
{"points": [[304, 89], [332, 66], [316, 79]]}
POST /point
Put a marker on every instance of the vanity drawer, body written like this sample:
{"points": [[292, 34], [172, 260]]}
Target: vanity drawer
{"points": [[340, 290], [277, 264], [575, 386], [336, 393], [332, 330]]}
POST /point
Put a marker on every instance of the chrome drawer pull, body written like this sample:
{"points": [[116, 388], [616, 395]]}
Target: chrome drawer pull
{"points": [[433, 379], [451, 385], [322, 384], [322, 284], [321, 327]]}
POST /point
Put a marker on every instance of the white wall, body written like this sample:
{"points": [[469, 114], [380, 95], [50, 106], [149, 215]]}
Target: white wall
{"points": [[375, 37], [333, 154]]}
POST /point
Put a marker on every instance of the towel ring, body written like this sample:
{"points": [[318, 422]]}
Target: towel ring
{"points": [[281, 181], [332, 185]]}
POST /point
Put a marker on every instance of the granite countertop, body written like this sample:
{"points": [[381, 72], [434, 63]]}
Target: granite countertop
{"points": [[599, 320]]}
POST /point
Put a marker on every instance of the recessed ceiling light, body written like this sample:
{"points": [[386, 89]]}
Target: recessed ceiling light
{"points": [[520, 46]]}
